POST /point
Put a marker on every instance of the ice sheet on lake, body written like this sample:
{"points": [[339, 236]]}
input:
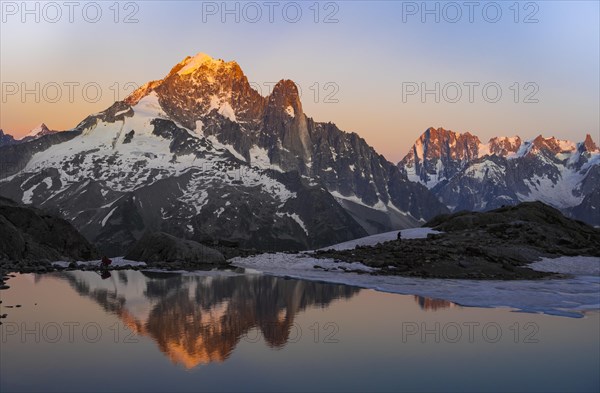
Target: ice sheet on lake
{"points": [[566, 297], [116, 261], [585, 266]]}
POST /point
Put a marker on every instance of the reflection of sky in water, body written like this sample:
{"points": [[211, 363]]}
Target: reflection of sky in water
{"points": [[258, 332]]}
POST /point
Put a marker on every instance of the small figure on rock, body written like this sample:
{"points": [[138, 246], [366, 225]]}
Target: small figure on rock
{"points": [[399, 237], [105, 262]]}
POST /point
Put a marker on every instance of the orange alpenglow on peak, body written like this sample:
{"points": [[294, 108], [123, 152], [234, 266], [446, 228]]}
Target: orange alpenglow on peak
{"points": [[589, 144], [191, 63]]}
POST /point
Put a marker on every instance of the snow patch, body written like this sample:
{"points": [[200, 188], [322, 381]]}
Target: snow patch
{"points": [[290, 111], [559, 194], [199, 127], [485, 169], [227, 111], [116, 261], [215, 142], [296, 218], [259, 157], [483, 149], [108, 216], [379, 205], [196, 62], [585, 266]]}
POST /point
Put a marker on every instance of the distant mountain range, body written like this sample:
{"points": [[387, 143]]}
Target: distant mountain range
{"points": [[6, 139], [201, 155], [37, 132], [466, 174]]}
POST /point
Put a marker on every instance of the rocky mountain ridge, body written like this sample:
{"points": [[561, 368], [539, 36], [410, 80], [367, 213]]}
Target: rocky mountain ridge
{"points": [[466, 174], [202, 156]]}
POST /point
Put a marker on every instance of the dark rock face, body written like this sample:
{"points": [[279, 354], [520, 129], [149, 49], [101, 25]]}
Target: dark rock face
{"points": [[589, 145], [161, 247], [438, 146], [28, 234], [129, 136], [6, 139], [589, 209], [504, 146], [466, 174], [284, 118], [490, 245]]}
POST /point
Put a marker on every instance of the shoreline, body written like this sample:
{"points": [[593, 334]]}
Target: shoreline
{"points": [[572, 296]]}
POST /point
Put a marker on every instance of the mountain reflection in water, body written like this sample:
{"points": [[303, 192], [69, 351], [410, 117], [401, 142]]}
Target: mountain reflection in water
{"points": [[200, 319]]}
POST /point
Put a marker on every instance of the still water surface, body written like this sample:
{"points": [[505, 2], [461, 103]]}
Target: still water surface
{"points": [[145, 331]]}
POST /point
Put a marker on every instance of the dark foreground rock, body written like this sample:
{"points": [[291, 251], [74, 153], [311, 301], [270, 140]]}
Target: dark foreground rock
{"points": [[31, 236], [489, 245], [160, 249]]}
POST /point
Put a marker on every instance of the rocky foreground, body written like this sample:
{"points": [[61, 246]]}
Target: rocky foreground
{"points": [[491, 245], [31, 239], [162, 250]]}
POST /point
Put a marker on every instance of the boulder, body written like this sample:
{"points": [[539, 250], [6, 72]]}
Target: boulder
{"points": [[158, 247]]}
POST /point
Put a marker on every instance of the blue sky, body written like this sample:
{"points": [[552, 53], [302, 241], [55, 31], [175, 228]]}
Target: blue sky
{"points": [[366, 59]]}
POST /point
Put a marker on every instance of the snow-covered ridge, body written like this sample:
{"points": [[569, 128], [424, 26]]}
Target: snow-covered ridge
{"points": [[191, 64], [509, 147], [411, 233], [37, 132], [145, 151]]}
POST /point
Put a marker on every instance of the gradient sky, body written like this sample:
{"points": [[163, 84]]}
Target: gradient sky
{"points": [[368, 54]]}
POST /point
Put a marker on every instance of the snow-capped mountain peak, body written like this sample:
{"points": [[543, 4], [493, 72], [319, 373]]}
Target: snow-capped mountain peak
{"points": [[40, 130], [37, 132], [438, 154], [551, 145], [200, 62], [202, 155], [192, 63], [507, 170], [200, 84], [6, 139], [589, 145], [501, 146]]}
